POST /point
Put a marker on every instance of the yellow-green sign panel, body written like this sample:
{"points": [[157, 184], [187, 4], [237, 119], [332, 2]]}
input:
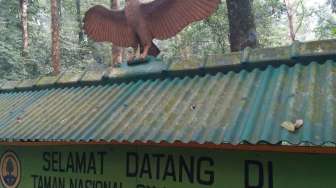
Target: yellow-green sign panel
{"points": [[144, 167]]}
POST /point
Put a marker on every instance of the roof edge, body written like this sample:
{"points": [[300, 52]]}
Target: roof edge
{"points": [[194, 145]]}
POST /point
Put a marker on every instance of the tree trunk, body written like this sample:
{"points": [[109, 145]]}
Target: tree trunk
{"points": [[24, 25], [79, 20], [59, 8], [290, 16], [116, 51], [242, 24], [55, 37]]}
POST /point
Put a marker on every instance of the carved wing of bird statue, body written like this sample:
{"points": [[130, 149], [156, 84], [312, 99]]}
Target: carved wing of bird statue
{"points": [[139, 23]]}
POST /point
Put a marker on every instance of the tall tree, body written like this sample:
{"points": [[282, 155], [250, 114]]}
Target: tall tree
{"points": [[79, 20], [290, 17], [242, 24], [24, 25], [59, 8], [296, 12], [56, 55], [117, 53], [333, 5]]}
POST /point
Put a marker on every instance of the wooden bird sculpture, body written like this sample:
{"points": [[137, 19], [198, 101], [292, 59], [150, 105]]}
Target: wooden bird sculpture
{"points": [[139, 23]]}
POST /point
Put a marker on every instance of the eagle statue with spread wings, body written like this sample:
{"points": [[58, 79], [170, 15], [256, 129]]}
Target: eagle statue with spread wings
{"points": [[139, 23]]}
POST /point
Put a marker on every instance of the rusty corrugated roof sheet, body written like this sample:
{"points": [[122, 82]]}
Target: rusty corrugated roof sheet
{"points": [[223, 102]]}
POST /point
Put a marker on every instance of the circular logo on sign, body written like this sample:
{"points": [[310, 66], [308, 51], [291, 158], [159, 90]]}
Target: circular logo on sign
{"points": [[10, 170]]}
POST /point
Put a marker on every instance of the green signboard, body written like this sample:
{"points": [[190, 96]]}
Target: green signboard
{"points": [[107, 166]]}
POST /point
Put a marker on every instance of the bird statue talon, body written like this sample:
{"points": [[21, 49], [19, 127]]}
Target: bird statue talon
{"points": [[137, 61], [142, 57], [116, 65]]}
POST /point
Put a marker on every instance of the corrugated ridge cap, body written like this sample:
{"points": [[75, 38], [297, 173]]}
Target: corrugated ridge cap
{"points": [[313, 50], [298, 50]]}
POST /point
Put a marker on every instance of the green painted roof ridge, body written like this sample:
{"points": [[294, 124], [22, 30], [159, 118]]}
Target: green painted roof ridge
{"points": [[285, 53], [282, 53]]}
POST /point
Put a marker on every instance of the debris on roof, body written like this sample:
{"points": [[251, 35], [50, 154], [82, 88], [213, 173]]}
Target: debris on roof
{"points": [[292, 127]]}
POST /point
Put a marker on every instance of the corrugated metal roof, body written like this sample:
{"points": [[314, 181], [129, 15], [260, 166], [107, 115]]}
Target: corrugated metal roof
{"points": [[223, 105]]}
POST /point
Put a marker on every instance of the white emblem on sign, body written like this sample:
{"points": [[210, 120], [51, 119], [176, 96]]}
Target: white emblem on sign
{"points": [[10, 170]]}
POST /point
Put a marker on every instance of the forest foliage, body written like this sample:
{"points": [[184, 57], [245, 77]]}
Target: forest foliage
{"points": [[209, 37]]}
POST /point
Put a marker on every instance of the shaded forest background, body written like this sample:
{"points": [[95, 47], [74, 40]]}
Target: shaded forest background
{"points": [[278, 22]]}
